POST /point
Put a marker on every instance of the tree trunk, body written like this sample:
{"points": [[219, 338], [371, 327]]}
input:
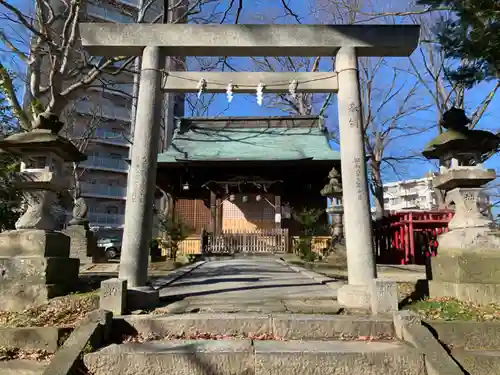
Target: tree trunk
{"points": [[377, 188]]}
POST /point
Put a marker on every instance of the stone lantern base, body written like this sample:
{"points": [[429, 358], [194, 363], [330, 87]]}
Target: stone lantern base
{"points": [[467, 266], [84, 245], [34, 267]]}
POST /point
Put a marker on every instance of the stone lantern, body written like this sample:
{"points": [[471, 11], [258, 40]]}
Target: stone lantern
{"points": [[333, 190], [34, 259], [468, 258]]}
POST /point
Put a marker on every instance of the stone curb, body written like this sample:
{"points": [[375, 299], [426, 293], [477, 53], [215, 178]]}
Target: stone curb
{"points": [[94, 330], [225, 357], [37, 338], [177, 274], [288, 326], [409, 328], [470, 335], [322, 279]]}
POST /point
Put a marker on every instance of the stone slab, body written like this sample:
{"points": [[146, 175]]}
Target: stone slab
{"points": [[219, 323], [113, 296], [92, 332], [43, 338], [469, 335], [263, 357], [339, 358], [264, 307], [248, 40], [38, 270], [326, 306], [182, 357], [288, 326], [437, 360], [467, 266], [479, 293], [355, 296], [384, 297], [34, 242], [404, 318], [478, 362], [316, 327], [22, 367], [21, 295]]}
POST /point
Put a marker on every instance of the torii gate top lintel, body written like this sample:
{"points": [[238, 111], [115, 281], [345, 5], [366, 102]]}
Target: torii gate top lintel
{"points": [[107, 39]]}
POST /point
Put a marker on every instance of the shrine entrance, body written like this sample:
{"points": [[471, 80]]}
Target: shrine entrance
{"points": [[346, 42]]}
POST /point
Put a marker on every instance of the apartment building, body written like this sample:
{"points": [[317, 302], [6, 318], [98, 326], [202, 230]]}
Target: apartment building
{"points": [[415, 194], [101, 124]]}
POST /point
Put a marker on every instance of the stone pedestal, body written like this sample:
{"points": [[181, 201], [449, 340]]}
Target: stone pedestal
{"points": [[84, 245], [467, 265], [34, 266]]}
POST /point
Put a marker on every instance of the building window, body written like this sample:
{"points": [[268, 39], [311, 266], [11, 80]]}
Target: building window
{"points": [[112, 210]]}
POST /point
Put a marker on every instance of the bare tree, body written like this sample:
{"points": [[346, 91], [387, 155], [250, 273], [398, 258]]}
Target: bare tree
{"points": [[389, 100], [427, 66]]}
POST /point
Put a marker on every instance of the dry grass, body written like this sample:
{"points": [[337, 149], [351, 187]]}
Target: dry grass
{"points": [[64, 312], [7, 354], [453, 309]]}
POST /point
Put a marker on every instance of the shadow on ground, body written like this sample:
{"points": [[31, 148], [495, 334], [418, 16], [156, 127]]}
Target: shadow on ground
{"points": [[420, 292]]}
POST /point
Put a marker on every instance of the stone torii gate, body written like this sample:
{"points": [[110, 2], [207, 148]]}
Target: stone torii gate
{"points": [[155, 41]]}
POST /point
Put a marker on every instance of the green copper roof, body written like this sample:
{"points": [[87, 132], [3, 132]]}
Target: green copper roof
{"points": [[204, 143]]}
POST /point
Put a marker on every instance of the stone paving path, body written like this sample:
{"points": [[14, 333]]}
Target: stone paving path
{"points": [[251, 285]]}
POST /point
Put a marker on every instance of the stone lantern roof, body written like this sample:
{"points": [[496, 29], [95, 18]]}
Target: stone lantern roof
{"points": [[41, 141], [459, 141]]}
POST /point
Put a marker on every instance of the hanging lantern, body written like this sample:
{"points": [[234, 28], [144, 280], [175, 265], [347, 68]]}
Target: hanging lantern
{"points": [[232, 198], [258, 198], [244, 199], [185, 186]]}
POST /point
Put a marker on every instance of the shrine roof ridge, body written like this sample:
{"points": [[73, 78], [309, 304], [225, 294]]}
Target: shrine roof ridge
{"points": [[297, 121], [248, 144]]}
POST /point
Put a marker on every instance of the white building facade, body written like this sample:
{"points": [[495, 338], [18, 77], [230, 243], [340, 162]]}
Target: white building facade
{"points": [[415, 194]]}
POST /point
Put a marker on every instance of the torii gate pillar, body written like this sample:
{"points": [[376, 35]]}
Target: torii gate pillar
{"points": [[361, 265], [350, 41], [138, 228]]}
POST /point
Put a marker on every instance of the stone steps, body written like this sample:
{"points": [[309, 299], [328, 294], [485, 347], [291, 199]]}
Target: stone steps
{"points": [[478, 362], [326, 305], [255, 357], [22, 367], [254, 344], [285, 326]]}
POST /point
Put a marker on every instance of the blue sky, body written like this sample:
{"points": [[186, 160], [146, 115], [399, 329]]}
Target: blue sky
{"points": [[245, 105], [268, 11]]}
